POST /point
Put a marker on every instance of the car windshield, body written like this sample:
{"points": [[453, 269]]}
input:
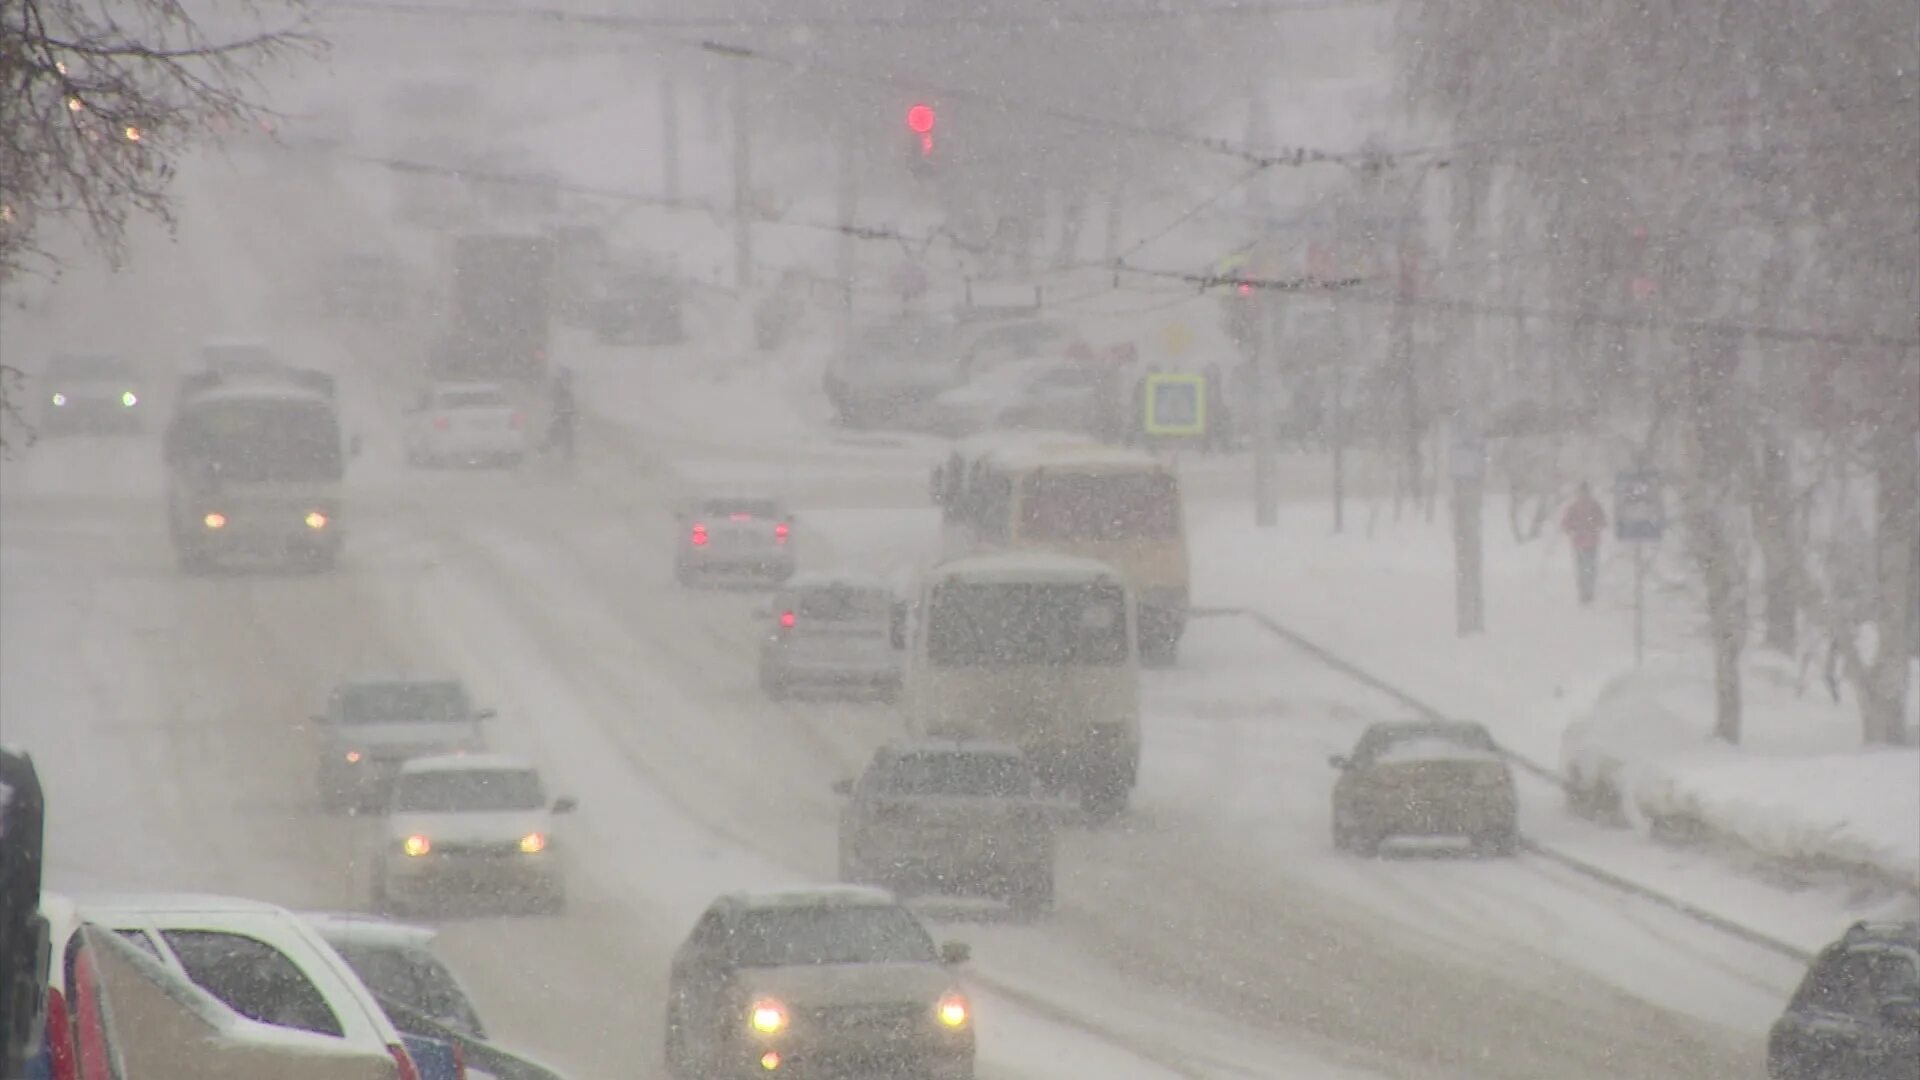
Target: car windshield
{"points": [[843, 604], [403, 702], [1447, 742], [253, 978], [414, 978], [92, 368], [765, 509], [469, 791], [901, 343], [959, 774], [472, 399], [852, 934], [1086, 507], [258, 440], [1019, 623]]}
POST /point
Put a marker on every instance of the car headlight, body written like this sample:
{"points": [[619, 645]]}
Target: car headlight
{"points": [[768, 1017], [215, 520], [353, 757], [533, 843], [129, 399], [59, 400], [952, 1011], [316, 520], [416, 845]]}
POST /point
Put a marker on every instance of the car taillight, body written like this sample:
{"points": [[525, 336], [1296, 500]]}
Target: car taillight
{"points": [[404, 1061], [441, 423], [786, 620], [781, 531], [519, 421], [699, 536], [459, 1062]]}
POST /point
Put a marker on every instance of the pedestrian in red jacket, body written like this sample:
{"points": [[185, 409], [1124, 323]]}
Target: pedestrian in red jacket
{"points": [[1583, 523]]}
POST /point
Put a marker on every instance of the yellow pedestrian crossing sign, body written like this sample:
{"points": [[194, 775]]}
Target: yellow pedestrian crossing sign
{"points": [[1176, 405]]}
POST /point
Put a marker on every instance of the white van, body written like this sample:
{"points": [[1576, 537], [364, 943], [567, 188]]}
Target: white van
{"points": [[1037, 650]]}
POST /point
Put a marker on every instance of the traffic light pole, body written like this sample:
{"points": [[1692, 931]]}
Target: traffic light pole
{"points": [[669, 138], [1266, 508]]}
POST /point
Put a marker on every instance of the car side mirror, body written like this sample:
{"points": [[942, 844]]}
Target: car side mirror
{"points": [[486, 714], [955, 953], [843, 787], [565, 804], [1340, 762]]}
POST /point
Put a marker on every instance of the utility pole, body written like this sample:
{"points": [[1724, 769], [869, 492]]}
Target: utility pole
{"points": [[742, 183], [669, 138], [1266, 508], [849, 215]]}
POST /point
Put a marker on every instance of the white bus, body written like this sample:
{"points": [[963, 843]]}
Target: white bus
{"points": [[254, 466], [1040, 651]]}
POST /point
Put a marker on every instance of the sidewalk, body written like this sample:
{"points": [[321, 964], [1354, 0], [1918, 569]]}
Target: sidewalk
{"points": [[1555, 682]]}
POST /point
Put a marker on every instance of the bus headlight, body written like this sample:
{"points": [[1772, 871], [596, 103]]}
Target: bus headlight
{"points": [[416, 845], [952, 1012], [215, 520], [533, 843], [316, 520], [59, 400], [768, 1017], [129, 399]]}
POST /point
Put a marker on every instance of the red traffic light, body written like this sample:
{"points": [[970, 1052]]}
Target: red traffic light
{"points": [[920, 119]]}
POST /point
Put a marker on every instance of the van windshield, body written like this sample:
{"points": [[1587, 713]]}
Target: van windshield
{"points": [[843, 604], [1027, 623], [403, 703], [956, 774], [259, 440], [469, 791], [1087, 508]]}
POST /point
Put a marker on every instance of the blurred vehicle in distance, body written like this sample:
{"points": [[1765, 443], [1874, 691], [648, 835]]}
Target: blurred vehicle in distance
{"points": [[957, 818], [1425, 779], [1038, 651], [815, 982], [1857, 1011], [500, 309], [470, 828], [1022, 395], [371, 726], [834, 633], [886, 370], [628, 306], [90, 394], [734, 538], [465, 424]]}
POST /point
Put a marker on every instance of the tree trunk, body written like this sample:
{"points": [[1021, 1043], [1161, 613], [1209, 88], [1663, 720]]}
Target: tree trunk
{"points": [[1714, 457], [1883, 689], [1778, 540]]}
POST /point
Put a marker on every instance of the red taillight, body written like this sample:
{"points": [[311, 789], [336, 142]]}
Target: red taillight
{"points": [[441, 423], [699, 536], [519, 421], [459, 1062], [408, 1070], [781, 531], [786, 620]]}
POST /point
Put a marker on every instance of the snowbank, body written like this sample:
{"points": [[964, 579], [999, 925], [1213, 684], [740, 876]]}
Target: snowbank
{"points": [[1799, 793]]}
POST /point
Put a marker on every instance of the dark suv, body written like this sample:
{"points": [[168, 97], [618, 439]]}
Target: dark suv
{"points": [[1856, 1015]]}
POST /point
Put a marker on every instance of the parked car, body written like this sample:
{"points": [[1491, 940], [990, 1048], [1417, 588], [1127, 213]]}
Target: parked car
{"points": [[952, 817], [262, 962], [471, 827], [816, 982], [371, 726], [396, 962], [1426, 779], [1857, 1012], [833, 632]]}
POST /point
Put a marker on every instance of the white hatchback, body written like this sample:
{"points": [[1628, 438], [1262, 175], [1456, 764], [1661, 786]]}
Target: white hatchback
{"points": [[473, 827], [465, 424]]}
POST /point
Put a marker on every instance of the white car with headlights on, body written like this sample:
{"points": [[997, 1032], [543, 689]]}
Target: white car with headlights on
{"points": [[472, 828], [832, 981]]}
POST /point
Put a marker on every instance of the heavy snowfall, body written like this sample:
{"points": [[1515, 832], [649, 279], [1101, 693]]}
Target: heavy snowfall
{"points": [[871, 538]]}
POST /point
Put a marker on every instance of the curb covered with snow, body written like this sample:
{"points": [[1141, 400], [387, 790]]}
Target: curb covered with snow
{"points": [[1795, 798]]}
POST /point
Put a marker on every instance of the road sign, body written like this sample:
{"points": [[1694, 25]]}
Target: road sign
{"points": [[1639, 512], [1176, 405]]}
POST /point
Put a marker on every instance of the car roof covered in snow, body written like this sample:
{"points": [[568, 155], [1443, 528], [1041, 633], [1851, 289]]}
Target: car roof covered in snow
{"points": [[466, 763], [813, 896], [996, 443], [352, 928], [983, 747], [1024, 566], [1084, 456], [836, 579], [173, 903]]}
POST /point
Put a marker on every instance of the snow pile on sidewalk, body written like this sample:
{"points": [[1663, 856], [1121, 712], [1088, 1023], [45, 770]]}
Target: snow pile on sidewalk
{"points": [[1800, 790]]}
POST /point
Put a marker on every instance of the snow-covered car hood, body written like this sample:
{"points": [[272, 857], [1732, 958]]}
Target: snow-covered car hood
{"points": [[814, 985], [487, 828]]}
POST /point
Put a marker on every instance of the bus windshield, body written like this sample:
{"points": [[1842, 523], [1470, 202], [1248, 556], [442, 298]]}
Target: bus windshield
{"points": [[1095, 508], [1028, 623], [258, 441]]}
